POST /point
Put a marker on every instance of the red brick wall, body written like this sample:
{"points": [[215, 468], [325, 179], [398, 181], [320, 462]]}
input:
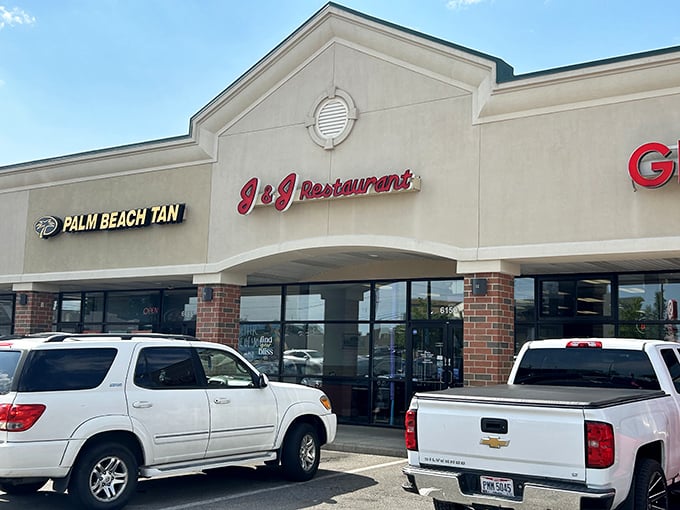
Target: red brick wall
{"points": [[36, 315], [217, 320], [488, 332]]}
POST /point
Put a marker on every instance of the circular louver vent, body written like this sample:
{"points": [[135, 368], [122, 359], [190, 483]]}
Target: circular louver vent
{"points": [[331, 118]]}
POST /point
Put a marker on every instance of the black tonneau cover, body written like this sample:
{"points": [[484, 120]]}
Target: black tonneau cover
{"points": [[544, 395]]}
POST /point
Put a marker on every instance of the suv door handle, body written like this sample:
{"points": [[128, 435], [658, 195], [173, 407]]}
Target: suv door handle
{"points": [[222, 401], [142, 404]]}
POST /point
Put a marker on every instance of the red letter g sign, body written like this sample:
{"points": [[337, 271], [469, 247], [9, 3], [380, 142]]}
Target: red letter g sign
{"points": [[664, 169]]}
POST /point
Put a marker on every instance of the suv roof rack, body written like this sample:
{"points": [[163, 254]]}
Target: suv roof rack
{"points": [[60, 337]]}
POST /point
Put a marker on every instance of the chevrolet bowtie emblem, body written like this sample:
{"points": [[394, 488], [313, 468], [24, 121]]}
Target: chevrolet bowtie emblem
{"points": [[494, 442]]}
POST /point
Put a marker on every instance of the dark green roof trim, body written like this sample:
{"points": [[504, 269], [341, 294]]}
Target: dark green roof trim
{"points": [[503, 69], [596, 63]]}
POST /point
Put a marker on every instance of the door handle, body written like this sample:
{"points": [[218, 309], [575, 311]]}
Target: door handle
{"points": [[142, 404], [222, 401]]}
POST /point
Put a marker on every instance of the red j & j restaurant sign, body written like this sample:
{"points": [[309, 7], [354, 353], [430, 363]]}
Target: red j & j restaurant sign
{"points": [[652, 164], [282, 196]]}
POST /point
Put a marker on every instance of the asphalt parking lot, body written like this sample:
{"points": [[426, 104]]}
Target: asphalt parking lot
{"points": [[361, 471]]}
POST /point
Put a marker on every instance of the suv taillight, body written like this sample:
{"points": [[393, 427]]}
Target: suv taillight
{"points": [[20, 417], [599, 445], [410, 435]]}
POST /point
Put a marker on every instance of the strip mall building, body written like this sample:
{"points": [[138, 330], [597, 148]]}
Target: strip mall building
{"points": [[369, 210]]}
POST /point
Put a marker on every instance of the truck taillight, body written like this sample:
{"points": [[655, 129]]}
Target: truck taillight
{"points": [[20, 417], [599, 445], [410, 435]]}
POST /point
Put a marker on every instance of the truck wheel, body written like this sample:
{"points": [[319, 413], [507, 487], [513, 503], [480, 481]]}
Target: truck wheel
{"points": [[22, 488], [649, 486], [104, 477], [300, 453]]}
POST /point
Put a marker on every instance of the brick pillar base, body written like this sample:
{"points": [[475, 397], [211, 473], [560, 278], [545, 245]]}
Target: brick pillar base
{"points": [[36, 315], [217, 318], [488, 332]]}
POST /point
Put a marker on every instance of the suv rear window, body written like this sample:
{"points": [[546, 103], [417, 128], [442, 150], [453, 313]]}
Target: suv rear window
{"points": [[604, 368], [8, 366], [65, 369]]}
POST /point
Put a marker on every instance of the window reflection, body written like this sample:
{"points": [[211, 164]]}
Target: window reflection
{"points": [[344, 301], [390, 301], [437, 299], [260, 304]]}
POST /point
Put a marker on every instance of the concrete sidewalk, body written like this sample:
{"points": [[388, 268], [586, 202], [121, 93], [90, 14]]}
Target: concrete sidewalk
{"points": [[369, 440]]}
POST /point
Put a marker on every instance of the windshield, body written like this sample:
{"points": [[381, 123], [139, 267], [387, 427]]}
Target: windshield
{"points": [[8, 366], [606, 368]]}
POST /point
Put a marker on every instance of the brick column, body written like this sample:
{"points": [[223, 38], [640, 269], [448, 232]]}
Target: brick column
{"points": [[488, 330], [36, 315], [217, 316]]}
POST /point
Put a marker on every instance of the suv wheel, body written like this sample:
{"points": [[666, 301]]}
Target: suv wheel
{"points": [[301, 451], [104, 478]]}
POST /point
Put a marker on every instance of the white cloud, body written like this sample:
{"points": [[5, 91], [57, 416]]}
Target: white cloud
{"points": [[15, 16], [457, 4]]}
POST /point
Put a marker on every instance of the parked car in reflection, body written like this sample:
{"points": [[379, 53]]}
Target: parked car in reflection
{"points": [[308, 361], [292, 372]]}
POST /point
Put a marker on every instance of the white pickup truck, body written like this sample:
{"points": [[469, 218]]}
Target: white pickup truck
{"points": [[587, 424]]}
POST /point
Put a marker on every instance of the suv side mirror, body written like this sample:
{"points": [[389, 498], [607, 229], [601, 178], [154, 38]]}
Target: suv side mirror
{"points": [[262, 380]]}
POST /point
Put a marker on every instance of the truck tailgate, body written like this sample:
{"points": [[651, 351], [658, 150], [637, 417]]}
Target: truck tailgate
{"points": [[502, 437]]}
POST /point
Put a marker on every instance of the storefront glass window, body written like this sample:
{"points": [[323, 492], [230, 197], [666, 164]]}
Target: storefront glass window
{"points": [[389, 351], [647, 297], [260, 304], [584, 298], [437, 300], [93, 309], [390, 301], [446, 299], [6, 313], [557, 298], [525, 302], [179, 312], [420, 300], [593, 297], [303, 352], [70, 308], [261, 345], [328, 302], [132, 311]]}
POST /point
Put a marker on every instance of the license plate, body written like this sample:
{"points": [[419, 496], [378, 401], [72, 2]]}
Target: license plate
{"points": [[497, 486]]}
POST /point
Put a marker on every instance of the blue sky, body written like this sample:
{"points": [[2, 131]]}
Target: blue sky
{"points": [[79, 75]]}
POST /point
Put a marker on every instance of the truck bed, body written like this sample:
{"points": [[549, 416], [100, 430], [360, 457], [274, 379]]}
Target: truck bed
{"points": [[543, 396]]}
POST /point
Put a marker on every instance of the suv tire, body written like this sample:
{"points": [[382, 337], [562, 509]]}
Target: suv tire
{"points": [[301, 452], [104, 477]]}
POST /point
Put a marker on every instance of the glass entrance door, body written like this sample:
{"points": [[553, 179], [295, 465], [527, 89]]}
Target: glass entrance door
{"points": [[436, 350]]}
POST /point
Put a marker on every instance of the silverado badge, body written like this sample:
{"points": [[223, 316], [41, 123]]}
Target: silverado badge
{"points": [[494, 442]]}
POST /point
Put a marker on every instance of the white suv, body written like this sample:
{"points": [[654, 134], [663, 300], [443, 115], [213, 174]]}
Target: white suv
{"points": [[96, 412]]}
